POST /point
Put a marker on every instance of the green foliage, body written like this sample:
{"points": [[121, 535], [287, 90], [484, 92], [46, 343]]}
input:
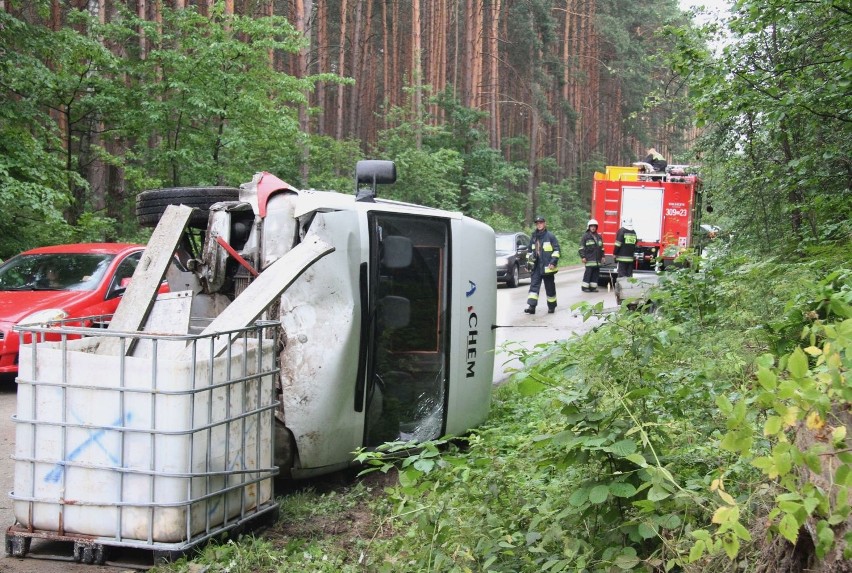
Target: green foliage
{"points": [[214, 101], [660, 441], [453, 167], [250, 554], [332, 164], [597, 462], [802, 400], [649, 93], [36, 184], [633, 446], [202, 107], [428, 178], [775, 105]]}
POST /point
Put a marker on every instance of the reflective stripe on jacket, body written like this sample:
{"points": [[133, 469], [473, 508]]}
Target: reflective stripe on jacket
{"points": [[625, 245], [591, 249], [545, 249]]}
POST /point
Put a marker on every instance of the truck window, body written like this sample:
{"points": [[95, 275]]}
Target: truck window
{"points": [[408, 290]]}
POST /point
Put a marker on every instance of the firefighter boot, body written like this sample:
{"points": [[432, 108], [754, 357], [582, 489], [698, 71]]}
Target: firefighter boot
{"points": [[551, 309], [530, 310]]}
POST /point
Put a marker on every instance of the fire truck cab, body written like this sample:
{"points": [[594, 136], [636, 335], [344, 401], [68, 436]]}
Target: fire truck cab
{"points": [[664, 207]]}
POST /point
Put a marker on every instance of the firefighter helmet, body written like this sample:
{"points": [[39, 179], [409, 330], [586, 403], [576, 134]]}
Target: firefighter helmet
{"points": [[592, 222], [539, 219], [627, 223]]}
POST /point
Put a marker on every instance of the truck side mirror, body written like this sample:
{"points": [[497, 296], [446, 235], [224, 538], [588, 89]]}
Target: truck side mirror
{"points": [[372, 172]]}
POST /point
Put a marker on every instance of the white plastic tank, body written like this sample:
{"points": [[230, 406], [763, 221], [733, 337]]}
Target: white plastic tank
{"points": [[148, 449]]}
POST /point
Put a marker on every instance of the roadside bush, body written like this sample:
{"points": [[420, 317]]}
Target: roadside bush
{"points": [[710, 435], [650, 443]]}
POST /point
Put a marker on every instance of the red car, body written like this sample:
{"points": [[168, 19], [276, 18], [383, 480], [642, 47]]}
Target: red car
{"points": [[62, 281]]}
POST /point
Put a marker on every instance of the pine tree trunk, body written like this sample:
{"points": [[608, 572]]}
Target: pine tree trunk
{"points": [[357, 71], [532, 160], [301, 25], [323, 57], [442, 52], [466, 70], [416, 72], [563, 136], [494, 77], [458, 91], [341, 63], [476, 54], [396, 47], [367, 94], [386, 60]]}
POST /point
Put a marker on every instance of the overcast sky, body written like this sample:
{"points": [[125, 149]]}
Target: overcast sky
{"points": [[716, 8]]}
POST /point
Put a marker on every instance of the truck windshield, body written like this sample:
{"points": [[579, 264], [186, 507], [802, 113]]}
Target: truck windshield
{"points": [[409, 293]]}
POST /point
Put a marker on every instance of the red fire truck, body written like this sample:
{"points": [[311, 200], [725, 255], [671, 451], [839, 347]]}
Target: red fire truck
{"points": [[665, 209]]}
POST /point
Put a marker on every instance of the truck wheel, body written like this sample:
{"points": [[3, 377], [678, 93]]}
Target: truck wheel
{"points": [[284, 450], [151, 204], [514, 277]]}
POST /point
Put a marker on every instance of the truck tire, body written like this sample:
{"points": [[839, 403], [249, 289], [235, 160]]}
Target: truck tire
{"points": [[151, 204]]}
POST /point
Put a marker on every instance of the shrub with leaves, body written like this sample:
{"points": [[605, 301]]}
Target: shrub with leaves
{"points": [[792, 425]]}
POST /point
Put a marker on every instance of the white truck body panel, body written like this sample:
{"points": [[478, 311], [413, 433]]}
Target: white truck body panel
{"points": [[446, 385], [386, 311], [319, 362]]}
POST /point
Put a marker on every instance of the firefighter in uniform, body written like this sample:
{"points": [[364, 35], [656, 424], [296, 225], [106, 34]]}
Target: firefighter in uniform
{"points": [[544, 252], [591, 252], [656, 160], [625, 247]]}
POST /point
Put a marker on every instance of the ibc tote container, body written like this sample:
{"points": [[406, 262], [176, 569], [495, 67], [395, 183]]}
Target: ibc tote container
{"points": [[168, 445]]}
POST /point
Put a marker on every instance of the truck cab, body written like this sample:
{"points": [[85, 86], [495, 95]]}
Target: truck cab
{"points": [[387, 337]]}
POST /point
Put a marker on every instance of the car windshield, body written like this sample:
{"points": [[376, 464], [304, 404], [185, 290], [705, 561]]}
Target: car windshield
{"points": [[505, 243], [54, 271]]}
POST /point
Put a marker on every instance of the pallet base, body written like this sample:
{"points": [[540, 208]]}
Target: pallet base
{"points": [[95, 550]]}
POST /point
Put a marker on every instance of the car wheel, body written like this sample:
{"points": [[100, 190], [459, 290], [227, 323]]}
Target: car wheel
{"points": [[514, 277], [151, 204]]}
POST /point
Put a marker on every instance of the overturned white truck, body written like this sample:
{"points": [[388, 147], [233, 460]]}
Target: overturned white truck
{"points": [[304, 325], [386, 326]]}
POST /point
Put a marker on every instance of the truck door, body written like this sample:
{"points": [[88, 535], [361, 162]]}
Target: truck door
{"points": [[645, 206], [408, 294]]}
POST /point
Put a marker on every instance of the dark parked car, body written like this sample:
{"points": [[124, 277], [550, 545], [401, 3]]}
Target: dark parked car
{"points": [[512, 258]]}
